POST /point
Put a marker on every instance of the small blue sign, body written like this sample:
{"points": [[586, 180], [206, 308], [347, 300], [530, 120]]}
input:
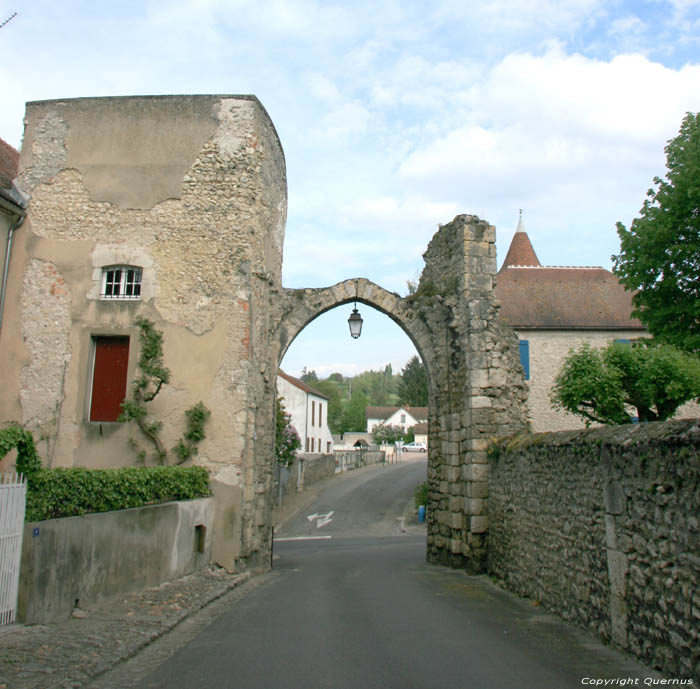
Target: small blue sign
{"points": [[35, 531]]}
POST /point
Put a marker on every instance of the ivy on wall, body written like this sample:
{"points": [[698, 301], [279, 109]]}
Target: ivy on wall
{"points": [[154, 375]]}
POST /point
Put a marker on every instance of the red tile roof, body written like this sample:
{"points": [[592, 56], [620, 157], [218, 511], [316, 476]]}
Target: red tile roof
{"points": [[564, 298], [9, 162], [559, 298], [300, 384]]}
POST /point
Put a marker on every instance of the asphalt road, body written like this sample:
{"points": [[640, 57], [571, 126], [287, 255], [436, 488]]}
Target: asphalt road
{"points": [[351, 604]]}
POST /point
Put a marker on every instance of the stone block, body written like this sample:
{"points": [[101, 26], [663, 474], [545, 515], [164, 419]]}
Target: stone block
{"points": [[617, 572], [479, 378], [610, 532], [453, 473], [614, 497], [475, 506], [477, 472], [478, 524], [481, 401], [478, 444], [479, 457], [618, 620], [477, 489]]}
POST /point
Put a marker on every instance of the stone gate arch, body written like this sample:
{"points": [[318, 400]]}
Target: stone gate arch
{"points": [[302, 306], [477, 389]]}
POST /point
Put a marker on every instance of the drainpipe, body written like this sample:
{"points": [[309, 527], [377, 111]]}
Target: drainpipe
{"points": [[22, 214]]}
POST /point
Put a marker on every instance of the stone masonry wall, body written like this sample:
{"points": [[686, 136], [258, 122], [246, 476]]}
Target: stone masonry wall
{"points": [[602, 527]]}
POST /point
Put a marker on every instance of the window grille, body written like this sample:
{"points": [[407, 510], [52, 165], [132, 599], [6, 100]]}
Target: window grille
{"points": [[121, 282]]}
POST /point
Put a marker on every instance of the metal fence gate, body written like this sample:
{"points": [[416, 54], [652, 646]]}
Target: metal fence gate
{"points": [[13, 494]]}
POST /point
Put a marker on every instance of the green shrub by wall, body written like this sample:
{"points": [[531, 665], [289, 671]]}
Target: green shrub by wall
{"points": [[15, 436], [57, 493]]}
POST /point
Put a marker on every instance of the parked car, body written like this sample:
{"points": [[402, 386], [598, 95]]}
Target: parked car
{"points": [[415, 447]]}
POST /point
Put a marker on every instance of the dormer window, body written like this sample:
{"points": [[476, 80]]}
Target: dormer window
{"points": [[121, 282]]}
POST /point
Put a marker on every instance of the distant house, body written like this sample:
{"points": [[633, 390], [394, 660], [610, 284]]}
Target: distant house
{"points": [[406, 417], [12, 213], [309, 411], [555, 308]]}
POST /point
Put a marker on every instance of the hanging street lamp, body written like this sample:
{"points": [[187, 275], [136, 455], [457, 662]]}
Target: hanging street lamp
{"points": [[355, 320], [355, 323]]}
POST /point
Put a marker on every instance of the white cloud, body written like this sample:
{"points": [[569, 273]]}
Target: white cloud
{"points": [[553, 115], [507, 16]]}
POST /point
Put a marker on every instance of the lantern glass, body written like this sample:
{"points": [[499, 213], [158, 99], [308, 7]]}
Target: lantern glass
{"points": [[355, 323]]}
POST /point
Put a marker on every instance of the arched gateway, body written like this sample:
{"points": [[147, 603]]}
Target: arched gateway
{"points": [[477, 390], [187, 195]]}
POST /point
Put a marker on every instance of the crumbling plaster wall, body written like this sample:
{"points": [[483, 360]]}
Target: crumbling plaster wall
{"points": [[193, 190]]}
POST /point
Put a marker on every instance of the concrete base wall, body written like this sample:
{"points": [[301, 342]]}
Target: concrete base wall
{"points": [[78, 561]]}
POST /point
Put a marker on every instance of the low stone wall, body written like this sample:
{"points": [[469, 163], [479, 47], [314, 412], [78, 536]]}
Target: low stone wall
{"points": [[317, 468], [77, 561], [601, 527], [305, 470], [354, 459]]}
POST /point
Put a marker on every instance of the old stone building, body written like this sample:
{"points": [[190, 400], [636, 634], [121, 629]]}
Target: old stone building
{"points": [[554, 309], [172, 208]]}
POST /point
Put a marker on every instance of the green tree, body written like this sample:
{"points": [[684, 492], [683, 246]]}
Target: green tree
{"points": [[413, 387], [309, 377], [601, 385], [335, 408], [660, 254], [287, 440], [355, 412]]}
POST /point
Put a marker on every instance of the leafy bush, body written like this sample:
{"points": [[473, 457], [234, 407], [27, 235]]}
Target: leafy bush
{"points": [[57, 493], [287, 440], [421, 494], [601, 385], [28, 462]]}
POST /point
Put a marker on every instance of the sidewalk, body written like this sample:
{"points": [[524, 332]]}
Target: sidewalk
{"points": [[69, 654]]}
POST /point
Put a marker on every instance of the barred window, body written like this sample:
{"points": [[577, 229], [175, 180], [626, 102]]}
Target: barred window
{"points": [[121, 282]]}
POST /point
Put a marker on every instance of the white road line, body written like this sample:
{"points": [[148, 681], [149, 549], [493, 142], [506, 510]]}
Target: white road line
{"points": [[303, 538]]}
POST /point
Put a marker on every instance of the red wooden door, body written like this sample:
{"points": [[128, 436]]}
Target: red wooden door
{"points": [[109, 377]]}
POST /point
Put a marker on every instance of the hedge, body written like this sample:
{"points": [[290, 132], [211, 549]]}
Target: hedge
{"points": [[57, 493]]}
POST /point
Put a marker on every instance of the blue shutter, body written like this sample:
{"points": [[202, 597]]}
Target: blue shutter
{"points": [[524, 347]]}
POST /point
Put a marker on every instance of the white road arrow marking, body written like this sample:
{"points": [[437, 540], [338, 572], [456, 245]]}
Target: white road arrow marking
{"points": [[321, 519]]}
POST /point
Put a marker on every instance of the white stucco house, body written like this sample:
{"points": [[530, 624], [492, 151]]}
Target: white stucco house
{"points": [[406, 417], [309, 411]]}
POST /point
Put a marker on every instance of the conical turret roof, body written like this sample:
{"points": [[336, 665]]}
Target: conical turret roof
{"points": [[520, 252]]}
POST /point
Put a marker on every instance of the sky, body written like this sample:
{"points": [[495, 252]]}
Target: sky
{"points": [[397, 115]]}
